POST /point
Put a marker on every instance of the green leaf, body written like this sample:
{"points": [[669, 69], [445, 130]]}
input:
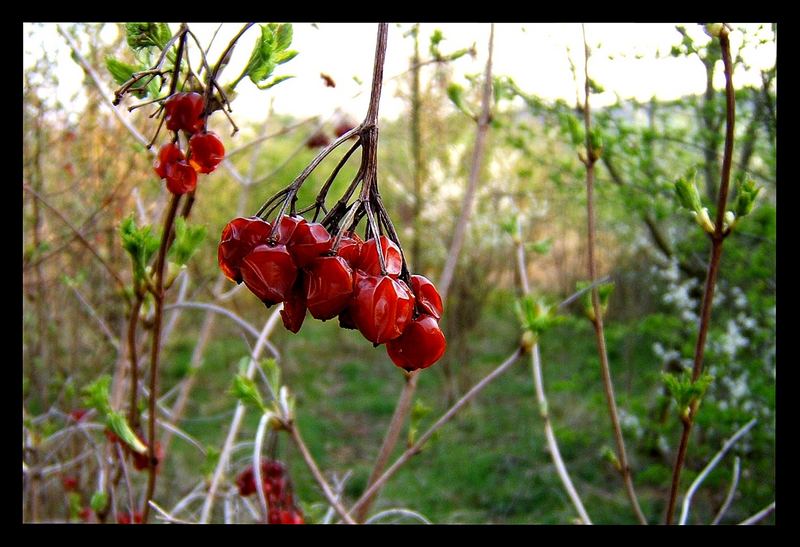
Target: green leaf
{"points": [[275, 81], [285, 56], [245, 390], [121, 72], [98, 501], [140, 243], [187, 241], [116, 422], [746, 194], [456, 94], [273, 372], [96, 395], [541, 247], [535, 315], [604, 291], [283, 36], [684, 392], [144, 35]]}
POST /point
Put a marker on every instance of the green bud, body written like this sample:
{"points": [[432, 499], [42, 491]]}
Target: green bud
{"points": [[98, 502], [687, 194], [746, 193], [528, 341], [245, 390], [116, 423], [714, 29], [729, 220]]}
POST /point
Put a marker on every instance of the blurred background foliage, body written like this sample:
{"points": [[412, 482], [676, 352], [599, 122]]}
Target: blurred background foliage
{"points": [[491, 463]]}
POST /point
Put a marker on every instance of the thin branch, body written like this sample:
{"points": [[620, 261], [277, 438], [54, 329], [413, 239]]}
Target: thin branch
{"points": [[759, 516], [96, 317], [731, 491], [446, 417], [166, 516], [687, 500], [717, 239], [238, 416], [78, 234], [257, 445], [312, 465], [390, 440], [402, 512], [589, 161], [469, 196]]}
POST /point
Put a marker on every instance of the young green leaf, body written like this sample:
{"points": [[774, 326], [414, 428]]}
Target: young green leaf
{"points": [[144, 35], [98, 501], [140, 244], [116, 422], [96, 395], [283, 36], [187, 241], [245, 390]]}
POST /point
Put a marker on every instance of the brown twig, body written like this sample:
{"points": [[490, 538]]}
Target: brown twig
{"points": [[589, 161], [155, 351], [469, 196], [717, 238], [446, 417]]}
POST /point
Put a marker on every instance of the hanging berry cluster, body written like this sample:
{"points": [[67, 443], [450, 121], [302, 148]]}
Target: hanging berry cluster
{"points": [[326, 269], [186, 112], [277, 488]]}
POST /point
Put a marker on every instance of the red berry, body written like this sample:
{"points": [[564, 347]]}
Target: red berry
{"points": [[70, 483], [128, 518], [381, 307], [287, 227], [309, 240], [181, 177], [318, 140], [269, 272], [293, 516], [420, 346], [428, 299], [246, 483], [369, 262], [184, 111], [328, 286], [111, 436], [207, 152], [350, 247], [78, 414], [342, 128], [294, 309], [169, 153], [239, 237], [85, 514]]}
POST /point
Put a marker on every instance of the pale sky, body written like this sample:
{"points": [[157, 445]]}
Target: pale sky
{"points": [[535, 55]]}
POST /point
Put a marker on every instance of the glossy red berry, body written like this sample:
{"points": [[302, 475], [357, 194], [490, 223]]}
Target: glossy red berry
{"points": [[246, 482], [70, 483], [181, 177], [294, 309], [207, 151], [239, 237], [287, 225], [269, 272], [167, 154], [428, 299], [420, 346], [309, 240], [328, 286], [369, 263], [290, 516], [184, 111], [350, 247], [381, 307], [85, 514]]}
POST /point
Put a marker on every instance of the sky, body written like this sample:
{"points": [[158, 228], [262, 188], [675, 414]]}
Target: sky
{"points": [[535, 55]]}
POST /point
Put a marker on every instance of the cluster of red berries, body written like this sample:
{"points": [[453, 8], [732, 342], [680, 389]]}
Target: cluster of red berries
{"points": [[184, 112], [320, 139], [277, 488], [299, 266]]}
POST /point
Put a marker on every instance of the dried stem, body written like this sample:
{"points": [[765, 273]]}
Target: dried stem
{"points": [[731, 491], [446, 417], [326, 489], [687, 500], [469, 196], [390, 440], [717, 238], [759, 516], [589, 161]]}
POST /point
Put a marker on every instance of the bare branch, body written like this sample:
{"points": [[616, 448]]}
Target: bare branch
{"points": [[759, 516]]}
